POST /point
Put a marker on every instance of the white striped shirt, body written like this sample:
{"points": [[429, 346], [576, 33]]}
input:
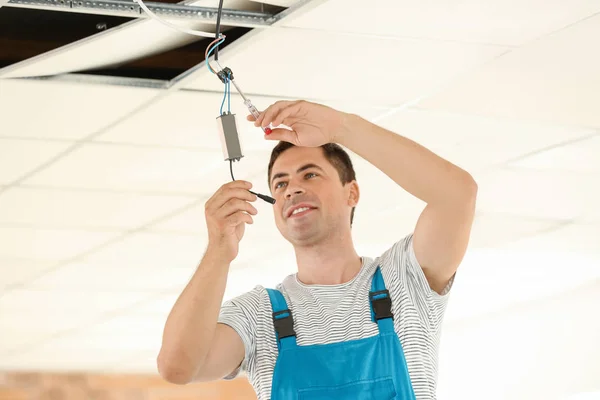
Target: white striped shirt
{"points": [[333, 313]]}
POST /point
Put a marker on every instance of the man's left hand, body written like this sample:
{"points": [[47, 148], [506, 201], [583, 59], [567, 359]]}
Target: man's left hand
{"points": [[311, 125]]}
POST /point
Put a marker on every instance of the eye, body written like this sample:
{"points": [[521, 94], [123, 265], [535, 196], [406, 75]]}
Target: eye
{"points": [[310, 173], [278, 184]]}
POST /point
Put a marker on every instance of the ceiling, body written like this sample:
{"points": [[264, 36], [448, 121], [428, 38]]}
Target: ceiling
{"points": [[108, 151]]}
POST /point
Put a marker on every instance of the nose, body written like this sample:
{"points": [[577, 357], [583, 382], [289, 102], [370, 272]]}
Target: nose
{"points": [[293, 190]]}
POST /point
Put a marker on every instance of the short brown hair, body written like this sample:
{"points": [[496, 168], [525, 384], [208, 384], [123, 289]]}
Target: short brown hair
{"points": [[334, 153]]}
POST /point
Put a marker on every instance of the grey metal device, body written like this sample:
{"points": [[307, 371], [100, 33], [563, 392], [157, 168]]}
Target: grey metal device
{"points": [[230, 138]]}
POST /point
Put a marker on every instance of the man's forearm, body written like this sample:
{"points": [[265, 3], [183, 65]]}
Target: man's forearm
{"points": [[416, 169], [191, 325]]}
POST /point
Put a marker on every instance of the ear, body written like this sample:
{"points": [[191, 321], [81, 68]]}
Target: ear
{"points": [[353, 194]]}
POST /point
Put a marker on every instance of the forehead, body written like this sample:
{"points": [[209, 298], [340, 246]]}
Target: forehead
{"points": [[295, 157]]}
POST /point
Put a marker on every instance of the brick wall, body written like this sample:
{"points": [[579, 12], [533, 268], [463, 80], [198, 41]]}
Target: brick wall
{"points": [[51, 386]]}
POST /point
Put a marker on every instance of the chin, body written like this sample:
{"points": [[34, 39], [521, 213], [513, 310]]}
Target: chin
{"points": [[305, 237]]}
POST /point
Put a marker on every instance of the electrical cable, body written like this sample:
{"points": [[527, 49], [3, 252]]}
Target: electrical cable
{"points": [[260, 196], [218, 29], [223, 102], [209, 49], [229, 93], [172, 26]]}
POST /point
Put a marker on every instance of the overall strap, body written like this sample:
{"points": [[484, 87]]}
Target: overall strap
{"points": [[381, 303], [282, 320]]}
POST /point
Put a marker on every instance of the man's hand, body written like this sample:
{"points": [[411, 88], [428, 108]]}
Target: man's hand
{"points": [[311, 125], [227, 213]]}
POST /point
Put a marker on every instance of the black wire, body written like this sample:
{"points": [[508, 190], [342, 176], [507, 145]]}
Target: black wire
{"points": [[217, 32], [268, 199]]}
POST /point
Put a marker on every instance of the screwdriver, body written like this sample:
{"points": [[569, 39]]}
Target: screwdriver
{"points": [[250, 107]]}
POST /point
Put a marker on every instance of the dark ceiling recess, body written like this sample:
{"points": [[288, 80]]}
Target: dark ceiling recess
{"points": [[26, 33], [168, 65]]}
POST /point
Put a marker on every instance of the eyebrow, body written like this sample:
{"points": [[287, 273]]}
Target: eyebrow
{"points": [[302, 168]]}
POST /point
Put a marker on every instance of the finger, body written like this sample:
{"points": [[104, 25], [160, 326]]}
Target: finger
{"points": [[234, 205], [267, 116], [239, 218], [286, 113], [250, 117], [284, 135], [226, 194], [235, 184]]}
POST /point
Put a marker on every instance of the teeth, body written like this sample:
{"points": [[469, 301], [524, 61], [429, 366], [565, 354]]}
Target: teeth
{"points": [[298, 210]]}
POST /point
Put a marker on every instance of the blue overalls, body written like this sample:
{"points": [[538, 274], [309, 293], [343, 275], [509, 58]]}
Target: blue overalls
{"points": [[365, 369]]}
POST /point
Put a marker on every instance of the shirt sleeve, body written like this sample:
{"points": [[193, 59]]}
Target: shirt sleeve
{"points": [[407, 274], [240, 314]]}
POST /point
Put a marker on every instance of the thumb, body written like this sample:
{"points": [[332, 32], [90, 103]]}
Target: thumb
{"points": [[282, 134]]}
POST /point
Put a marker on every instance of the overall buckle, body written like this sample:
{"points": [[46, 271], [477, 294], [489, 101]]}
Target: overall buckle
{"points": [[284, 326], [381, 302]]}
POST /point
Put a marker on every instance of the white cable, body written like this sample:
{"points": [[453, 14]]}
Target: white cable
{"points": [[170, 25]]}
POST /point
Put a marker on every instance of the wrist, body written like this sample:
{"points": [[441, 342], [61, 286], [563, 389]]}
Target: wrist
{"points": [[349, 125], [217, 255]]}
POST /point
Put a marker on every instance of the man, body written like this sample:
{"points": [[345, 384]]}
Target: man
{"points": [[344, 326]]}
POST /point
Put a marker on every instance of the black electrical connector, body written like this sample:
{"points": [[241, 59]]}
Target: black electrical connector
{"points": [[225, 75]]}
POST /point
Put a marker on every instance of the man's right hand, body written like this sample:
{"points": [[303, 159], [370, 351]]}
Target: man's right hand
{"points": [[227, 212]]}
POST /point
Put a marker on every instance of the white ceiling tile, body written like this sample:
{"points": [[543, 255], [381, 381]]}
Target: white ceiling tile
{"points": [[491, 230], [552, 338], [576, 239], [17, 270], [48, 359], [160, 305], [17, 157], [154, 250], [125, 332], [75, 301], [512, 22], [69, 208], [581, 156], [524, 275], [379, 194], [473, 142], [20, 328], [192, 221], [554, 79], [111, 276], [48, 244], [538, 194], [75, 109], [329, 66], [131, 168]]}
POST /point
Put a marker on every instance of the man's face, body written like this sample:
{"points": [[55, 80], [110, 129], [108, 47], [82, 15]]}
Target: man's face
{"points": [[311, 202]]}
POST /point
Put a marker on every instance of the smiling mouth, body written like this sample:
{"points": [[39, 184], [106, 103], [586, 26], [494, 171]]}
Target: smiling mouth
{"points": [[299, 212]]}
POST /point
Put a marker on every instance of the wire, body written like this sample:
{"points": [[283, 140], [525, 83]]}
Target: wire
{"points": [[218, 30], [231, 169], [175, 27], [229, 93], [223, 102], [209, 49]]}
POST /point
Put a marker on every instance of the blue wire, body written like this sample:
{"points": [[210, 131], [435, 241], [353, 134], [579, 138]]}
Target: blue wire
{"points": [[224, 97], [209, 53], [229, 93]]}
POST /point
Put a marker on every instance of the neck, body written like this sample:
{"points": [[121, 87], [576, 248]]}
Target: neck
{"points": [[329, 262]]}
